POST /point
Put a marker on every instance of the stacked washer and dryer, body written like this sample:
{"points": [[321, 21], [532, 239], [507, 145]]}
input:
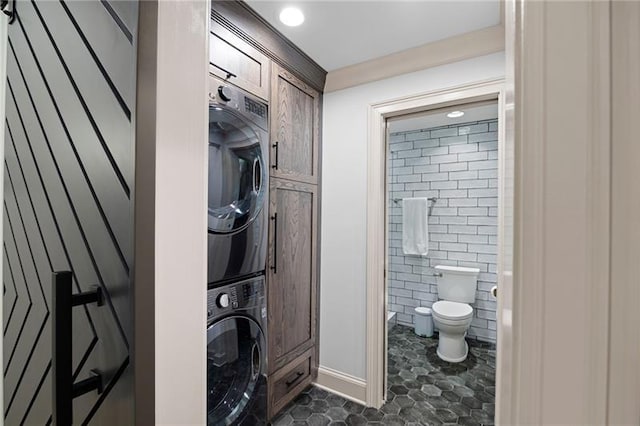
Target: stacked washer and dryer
{"points": [[237, 249]]}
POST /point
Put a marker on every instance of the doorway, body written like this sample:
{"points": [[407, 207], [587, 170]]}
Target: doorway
{"points": [[442, 180], [384, 230]]}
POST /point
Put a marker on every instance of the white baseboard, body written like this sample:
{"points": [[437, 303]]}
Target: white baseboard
{"points": [[341, 384]]}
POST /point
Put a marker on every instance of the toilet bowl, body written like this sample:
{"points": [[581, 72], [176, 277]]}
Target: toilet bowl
{"points": [[452, 314], [452, 320]]}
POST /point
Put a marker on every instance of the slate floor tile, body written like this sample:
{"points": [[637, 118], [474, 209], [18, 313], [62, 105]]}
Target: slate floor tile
{"points": [[353, 407], [372, 415], [318, 420], [422, 390], [337, 413]]}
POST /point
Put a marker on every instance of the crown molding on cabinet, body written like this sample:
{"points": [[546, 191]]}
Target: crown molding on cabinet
{"points": [[244, 22], [453, 49]]}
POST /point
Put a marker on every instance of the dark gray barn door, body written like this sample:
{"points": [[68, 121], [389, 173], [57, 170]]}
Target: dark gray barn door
{"points": [[68, 201]]}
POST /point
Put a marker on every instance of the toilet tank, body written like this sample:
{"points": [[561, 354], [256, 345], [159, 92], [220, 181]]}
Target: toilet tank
{"points": [[457, 284]]}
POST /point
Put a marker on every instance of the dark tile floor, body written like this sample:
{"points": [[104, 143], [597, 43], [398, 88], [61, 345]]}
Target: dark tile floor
{"points": [[422, 390]]}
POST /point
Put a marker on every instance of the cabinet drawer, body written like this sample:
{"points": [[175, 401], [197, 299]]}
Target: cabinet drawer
{"points": [[289, 382], [230, 54]]}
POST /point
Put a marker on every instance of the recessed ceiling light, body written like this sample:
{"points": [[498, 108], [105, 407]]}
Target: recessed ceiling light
{"points": [[291, 16], [455, 114]]}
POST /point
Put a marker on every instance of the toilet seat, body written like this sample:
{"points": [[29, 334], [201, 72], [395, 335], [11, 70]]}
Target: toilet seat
{"points": [[452, 311]]}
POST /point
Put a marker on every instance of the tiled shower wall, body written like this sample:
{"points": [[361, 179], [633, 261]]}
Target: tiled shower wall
{"points": [[457, 164]]}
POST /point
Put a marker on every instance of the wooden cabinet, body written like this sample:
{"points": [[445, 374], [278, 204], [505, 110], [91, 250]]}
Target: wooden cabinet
{"points": [[295, 127], [230, 54], [293, 238], [292, 289], [292, 270]]}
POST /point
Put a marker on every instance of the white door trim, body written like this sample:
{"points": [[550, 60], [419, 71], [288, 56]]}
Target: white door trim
{"points": [[376, 213], [558, 90]]}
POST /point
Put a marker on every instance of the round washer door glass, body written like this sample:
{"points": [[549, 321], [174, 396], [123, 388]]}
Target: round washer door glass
{"points": [[235, 350], [236, 172]]}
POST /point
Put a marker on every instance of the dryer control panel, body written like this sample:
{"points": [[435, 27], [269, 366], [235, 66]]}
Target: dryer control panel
{"points": [[224, 93]]}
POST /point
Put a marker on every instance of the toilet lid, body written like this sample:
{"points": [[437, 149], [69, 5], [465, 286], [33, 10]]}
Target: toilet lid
{"points": [[452, 310]]}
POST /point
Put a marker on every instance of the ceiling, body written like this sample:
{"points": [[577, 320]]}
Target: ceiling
{"points": [[437, 118], [341, 33]]}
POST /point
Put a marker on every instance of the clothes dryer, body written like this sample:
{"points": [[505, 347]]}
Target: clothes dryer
{"points": [[238, 184]]}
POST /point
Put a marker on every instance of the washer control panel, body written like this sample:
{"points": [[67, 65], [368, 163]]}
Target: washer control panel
{"points": [[245, 295]]}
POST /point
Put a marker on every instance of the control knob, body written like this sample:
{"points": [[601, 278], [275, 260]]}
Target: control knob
{"points": [[223, 300], [225, 93]]}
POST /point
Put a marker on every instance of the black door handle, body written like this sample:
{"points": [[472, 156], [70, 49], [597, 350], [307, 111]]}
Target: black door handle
{"points": [[9, 11], [275, 146], [64, 390], [274, 267]]}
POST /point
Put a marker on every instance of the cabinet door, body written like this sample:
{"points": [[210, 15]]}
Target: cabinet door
{"points": [[292, 271], [295, 121], [230, 54]]}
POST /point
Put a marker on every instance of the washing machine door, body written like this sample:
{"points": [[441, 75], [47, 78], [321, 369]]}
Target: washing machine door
{"points": [[237, 171], [235, 371]]}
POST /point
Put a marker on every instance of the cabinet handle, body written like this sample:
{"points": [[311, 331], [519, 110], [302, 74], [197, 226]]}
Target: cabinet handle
{"points": [[292, 381], [229, 73], [64, 390], [275, 166], [274, 267]]}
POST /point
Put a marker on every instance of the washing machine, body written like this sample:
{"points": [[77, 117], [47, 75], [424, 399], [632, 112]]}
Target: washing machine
{"points": [[238, 146], [236, 354]]}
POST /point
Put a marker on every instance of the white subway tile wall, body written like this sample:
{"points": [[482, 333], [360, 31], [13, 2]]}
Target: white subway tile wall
{"points": [[458, 165]]}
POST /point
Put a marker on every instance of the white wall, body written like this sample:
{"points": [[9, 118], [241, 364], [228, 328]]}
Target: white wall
{"points": [[344, 180]]}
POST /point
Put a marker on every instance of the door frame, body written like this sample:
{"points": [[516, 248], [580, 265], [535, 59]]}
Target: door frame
{"points": [[377, 201]]}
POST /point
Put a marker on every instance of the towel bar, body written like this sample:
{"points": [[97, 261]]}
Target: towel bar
{"points": [[433, 200]]}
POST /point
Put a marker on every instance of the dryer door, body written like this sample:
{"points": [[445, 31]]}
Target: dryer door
{"points": [[237, 175], [235, 370]]}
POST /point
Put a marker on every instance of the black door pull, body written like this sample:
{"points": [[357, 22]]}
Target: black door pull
{"points": [[274, 267], [64, 390], [275, 146]]}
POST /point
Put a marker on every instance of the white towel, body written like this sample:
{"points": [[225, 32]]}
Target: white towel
{"points": [[415, 226]]}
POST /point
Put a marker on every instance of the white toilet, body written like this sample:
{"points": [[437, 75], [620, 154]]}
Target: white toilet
{"points": [[452, 314]]}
